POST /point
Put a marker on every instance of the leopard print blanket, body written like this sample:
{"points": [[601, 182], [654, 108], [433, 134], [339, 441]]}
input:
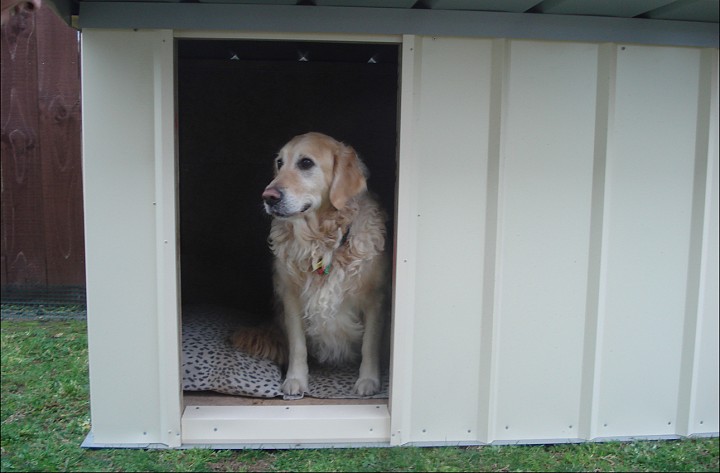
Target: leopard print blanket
{"points": [[211, 363]]}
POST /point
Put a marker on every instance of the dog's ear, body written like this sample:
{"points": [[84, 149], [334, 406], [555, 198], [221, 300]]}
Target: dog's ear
{"points": [[348, 177]]}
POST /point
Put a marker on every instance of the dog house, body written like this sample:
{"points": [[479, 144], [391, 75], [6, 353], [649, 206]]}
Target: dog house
{"points": [[551, 170]]}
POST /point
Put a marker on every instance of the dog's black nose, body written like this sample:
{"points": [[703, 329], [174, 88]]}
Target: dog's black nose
{"points": [[272, 195]]}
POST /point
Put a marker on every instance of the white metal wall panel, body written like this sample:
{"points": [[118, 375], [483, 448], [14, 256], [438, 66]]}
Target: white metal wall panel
{"points": [[705, 415], [544, 219], [704, 412], [648, 204], [557, 254], [587, 153], [451, 158], [120, 146], [403, 313], [277, 426]]}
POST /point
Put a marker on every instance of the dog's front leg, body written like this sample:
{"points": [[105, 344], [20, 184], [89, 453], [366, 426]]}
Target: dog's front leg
{"points": [[368, 382], [296, 380]]}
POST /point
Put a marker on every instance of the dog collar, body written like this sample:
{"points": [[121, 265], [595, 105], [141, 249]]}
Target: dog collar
{"points": [[323, 269], [320, 268]]}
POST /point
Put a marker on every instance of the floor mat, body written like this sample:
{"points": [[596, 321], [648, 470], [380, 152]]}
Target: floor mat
{"points": [[211, 363]]}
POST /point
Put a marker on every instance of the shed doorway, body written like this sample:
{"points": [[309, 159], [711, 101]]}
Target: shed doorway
{"points": [[238, 102]]}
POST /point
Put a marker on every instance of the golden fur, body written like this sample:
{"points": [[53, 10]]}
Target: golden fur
{"points": [[330, 274]]}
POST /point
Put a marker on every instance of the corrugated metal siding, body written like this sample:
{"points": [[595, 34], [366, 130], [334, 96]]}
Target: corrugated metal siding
{"points": [[557, 241], [571, 169], [134, 356], [646, 241]]}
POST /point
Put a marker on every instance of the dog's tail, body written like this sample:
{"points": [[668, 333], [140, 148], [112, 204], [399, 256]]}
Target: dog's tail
{"points": [[264, 341]]}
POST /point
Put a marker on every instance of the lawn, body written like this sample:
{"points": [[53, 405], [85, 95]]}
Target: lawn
{"points": [[45, 417]]}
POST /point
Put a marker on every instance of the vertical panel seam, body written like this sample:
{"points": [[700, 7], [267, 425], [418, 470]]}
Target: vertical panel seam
{"points": [[698, 233], [405, 249], [170, 406], [493, 256], [604, 110]]}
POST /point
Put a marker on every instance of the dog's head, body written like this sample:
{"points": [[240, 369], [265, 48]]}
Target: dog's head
{"points": [[312, 172]]}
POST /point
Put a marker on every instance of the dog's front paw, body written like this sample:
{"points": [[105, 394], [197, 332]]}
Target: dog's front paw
{"points": [[295, 386], [367, 386]]}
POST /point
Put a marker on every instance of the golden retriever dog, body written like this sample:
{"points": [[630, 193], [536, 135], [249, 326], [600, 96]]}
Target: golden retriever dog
{"points": [[330, 273]]}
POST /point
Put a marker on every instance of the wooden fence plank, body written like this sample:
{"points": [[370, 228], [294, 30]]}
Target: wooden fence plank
{"points": [[23, 245], [42, 239], [59, 120]]}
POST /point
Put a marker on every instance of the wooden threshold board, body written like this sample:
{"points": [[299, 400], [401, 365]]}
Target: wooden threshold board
{"points": [[210, 398]]}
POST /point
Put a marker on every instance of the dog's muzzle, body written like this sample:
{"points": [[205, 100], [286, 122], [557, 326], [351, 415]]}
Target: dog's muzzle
{"points": [[272, 196], [277, 205]]}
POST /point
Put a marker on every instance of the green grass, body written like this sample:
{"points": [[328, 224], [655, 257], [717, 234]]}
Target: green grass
{"points": [[45, 417]]}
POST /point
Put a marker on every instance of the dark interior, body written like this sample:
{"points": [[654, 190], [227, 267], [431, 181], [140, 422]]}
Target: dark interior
{"points": [[238, 103]]}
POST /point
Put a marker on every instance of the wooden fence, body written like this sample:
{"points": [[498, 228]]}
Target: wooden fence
{"points": [[42, 210]]}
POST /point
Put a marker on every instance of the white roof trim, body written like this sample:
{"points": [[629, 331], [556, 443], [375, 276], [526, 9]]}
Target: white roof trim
{"points": [[392, 21]]}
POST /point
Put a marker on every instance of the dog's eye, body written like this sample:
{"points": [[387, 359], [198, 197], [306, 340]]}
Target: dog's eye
{"points": [[279, 163], [305, 163]]}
